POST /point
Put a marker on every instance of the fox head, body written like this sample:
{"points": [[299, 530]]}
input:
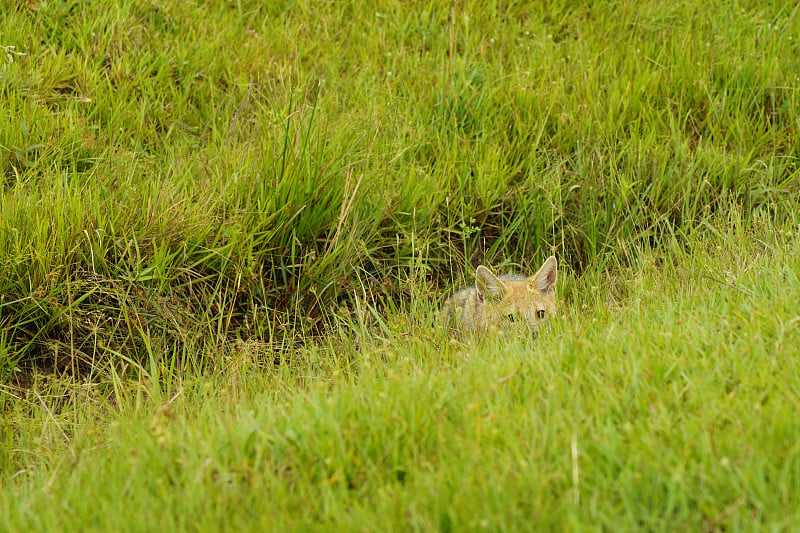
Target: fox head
{"points": [[510, 299]]}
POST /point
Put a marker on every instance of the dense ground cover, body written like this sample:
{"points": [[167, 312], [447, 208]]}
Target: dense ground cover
{"points": [[226, 226]]}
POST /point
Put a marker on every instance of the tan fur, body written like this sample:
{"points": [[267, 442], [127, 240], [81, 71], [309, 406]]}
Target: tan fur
{"points": [[499, 303]]}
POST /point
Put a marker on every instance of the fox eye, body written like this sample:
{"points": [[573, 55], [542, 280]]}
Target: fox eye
{"points": [[540, 314], [511, 317]]}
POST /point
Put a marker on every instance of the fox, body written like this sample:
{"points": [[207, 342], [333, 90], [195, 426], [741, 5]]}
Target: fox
{"points": [[497, 303]]}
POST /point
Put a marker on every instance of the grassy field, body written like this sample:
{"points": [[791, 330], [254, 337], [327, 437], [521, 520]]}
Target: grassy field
{"points": [[225, 230]]}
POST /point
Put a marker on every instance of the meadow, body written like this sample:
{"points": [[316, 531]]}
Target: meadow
{"points": [[226, 228]]}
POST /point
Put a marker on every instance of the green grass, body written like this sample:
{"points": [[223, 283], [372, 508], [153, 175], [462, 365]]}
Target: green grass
{"points": [[226, 227], [675, 389]]}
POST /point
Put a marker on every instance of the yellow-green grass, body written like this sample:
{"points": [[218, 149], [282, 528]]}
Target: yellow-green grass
{"points": [[225, 228], [663, 398]]}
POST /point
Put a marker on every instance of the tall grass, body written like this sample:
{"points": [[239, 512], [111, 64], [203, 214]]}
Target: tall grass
{"points": [[225, 228], [660, 401], [202, 173]]}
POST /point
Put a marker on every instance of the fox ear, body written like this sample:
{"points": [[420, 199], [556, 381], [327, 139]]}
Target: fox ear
{"points": [[544, 280], [488, 284]]}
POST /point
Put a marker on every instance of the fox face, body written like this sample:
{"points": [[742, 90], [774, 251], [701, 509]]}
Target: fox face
{"points": [[503, 302]]}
